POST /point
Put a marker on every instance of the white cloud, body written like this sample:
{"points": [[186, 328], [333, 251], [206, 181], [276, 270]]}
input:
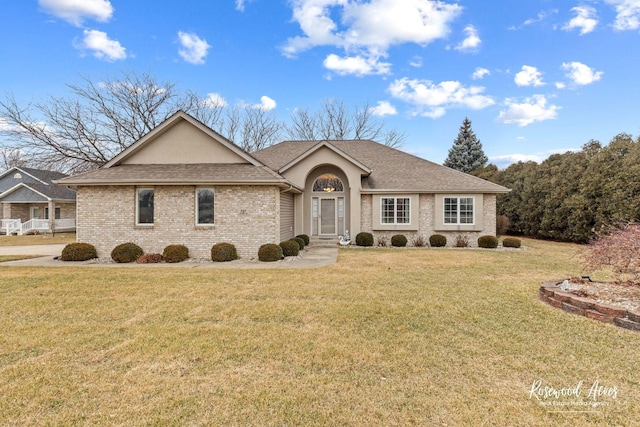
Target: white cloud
{"points": [[240, 4], [539, 18], [266, 104], [384, 108], [76, 11], [356, 65], [214, 100], [560, 85], [480, 73], [368, 29], [585, 20], [533, 109], [102, 46], [194, 49], [529, 76], [471, 42], [416, 61], [628, 14], [432, 100], [580, 73]]}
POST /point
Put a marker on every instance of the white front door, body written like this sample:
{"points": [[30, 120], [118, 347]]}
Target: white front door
{"points": [[35, 212], [328, 216]]}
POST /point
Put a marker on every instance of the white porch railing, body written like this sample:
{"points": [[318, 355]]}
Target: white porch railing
{"points": [[34, 225], [14, 226], [65, 224], [10, 226]]}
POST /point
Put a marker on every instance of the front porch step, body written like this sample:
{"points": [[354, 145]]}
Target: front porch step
{"points": [[323, 242]]}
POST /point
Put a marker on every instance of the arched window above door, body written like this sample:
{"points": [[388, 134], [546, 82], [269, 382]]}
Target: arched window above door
{"points": [[328, 183]]}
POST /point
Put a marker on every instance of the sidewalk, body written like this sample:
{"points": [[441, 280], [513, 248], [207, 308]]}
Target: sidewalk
{"points": [[311, 257]]}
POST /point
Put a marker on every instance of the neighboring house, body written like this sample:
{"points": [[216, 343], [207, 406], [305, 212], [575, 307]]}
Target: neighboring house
{"points": [[31, 201], [185, 184]]}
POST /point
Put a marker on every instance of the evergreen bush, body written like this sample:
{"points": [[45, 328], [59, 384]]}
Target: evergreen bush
{"points": [[305, 238], [300, 241], [511, 242], [270, 252], [126, 252], [364, 239], [290, 248], [223, 252], [78, 252], [399, 240], [437, 241], [488, 242], [175, 253]]}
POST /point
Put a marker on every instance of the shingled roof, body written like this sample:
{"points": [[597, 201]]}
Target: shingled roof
{"points": [[38, 181], [200, 173], [391, 169]]}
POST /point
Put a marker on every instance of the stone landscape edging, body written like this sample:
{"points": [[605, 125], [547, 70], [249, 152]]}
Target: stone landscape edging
{"points": [[551, 293]]}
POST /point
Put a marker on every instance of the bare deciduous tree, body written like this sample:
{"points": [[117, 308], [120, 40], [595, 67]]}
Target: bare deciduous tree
{"points": [[335, 122]]}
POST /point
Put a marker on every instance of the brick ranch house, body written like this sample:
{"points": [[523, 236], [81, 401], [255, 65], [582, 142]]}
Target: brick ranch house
{"points": [[183, 183]]}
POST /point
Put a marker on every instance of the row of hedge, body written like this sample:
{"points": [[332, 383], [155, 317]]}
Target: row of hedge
{"points": [[437, 241], [220, 252]]}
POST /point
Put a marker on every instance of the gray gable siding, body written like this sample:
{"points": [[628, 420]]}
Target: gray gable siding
{"points": [[23, 195], [8, 181]]}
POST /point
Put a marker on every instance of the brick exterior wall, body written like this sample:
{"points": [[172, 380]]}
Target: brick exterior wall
{"points": [[427, 217], [247, 216]]}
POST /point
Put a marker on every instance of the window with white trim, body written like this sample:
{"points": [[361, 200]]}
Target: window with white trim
{"points": [[144, 206], [458, 210], [395, 210], [56, 213], [204, 206]]}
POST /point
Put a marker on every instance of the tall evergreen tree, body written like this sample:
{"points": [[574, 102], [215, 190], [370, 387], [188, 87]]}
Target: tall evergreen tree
{"points": [[466, 153]]}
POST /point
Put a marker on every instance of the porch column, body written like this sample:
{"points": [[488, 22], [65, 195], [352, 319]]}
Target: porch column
{"points": [[52, 216], [6, 210]]}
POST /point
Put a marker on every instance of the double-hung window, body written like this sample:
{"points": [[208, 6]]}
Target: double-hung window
{"points": [[395, 210], [204, 206], [144, 206], [458, 210]]}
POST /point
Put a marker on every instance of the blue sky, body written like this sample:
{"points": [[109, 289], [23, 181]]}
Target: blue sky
{"points": [[535, 77]]}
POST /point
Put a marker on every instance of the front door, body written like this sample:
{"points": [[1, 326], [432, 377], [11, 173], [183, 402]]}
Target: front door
{"points": [[327, 216], [35, 212]]}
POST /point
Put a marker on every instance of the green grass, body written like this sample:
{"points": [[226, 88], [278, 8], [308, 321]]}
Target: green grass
{"points": [[384, 337], [39, 239]]}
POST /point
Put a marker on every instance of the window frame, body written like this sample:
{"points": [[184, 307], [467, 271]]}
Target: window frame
{"points": [[56, 212], [197, 207], [383, 210], [458, 210], [145, 224]]}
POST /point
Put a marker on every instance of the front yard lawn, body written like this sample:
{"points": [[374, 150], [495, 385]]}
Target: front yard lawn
{"points": [[384, 337], [38, 239]]}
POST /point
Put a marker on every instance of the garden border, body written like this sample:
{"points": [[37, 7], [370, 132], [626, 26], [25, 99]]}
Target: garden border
{"points": [[551, 293]]}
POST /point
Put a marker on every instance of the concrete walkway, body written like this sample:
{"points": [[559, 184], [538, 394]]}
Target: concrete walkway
{"points": [[312, 256]]}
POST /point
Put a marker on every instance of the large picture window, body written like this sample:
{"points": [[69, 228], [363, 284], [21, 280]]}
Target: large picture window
{"points": [[395, 210], [144, 206], [204, 206], [458, 210]]}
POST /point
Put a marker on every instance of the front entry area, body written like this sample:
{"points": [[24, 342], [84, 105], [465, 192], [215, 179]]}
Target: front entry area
{"points": [[328, 216]]}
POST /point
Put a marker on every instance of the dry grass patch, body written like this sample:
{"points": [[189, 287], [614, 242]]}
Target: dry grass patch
{"points": [[6, 258], [38, 239], [384, 337]]}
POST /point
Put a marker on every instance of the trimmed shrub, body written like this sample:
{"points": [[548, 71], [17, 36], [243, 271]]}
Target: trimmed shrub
{"points": [[305, 238], [399, 240], [290, 248], [438, 241], [488, 242], [78, 252], [511, 242], [382, 241], [462, 241], [175, 253], [300, 241], [126, 252], [419, 241], [364, 239], [149, 259], [270, 252], [223, 252]]}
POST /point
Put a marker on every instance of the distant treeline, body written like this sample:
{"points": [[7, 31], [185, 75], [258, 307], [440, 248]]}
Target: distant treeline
{"points": [[570, 196]]}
